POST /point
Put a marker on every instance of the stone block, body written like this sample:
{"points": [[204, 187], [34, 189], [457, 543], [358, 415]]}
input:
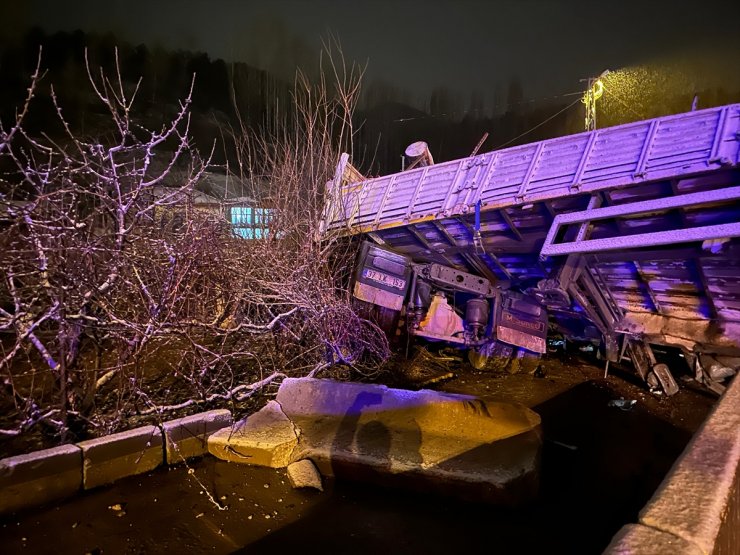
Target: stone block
{"points": [[266, 438], [304, 474], [635, 539], [116, 456], [187, 437], [41, 477]]}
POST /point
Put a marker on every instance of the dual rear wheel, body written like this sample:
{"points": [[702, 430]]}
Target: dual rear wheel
{"points": [[495, 356]]}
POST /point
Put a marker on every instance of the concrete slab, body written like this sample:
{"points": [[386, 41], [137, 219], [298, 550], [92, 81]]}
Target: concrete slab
{"points": [[448, 443], [187, 437], [443, 442], [39, 477], [266, 438], [637, 539], [427, 425], [692, 502], [116, 456]]}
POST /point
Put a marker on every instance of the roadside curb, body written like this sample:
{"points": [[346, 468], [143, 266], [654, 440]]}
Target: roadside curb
{"points": [[40, 477], [110, 458], [186, 438]]}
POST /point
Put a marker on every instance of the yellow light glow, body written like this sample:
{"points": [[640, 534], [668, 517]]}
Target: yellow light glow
{"points": [[590, 96], [598, 89]]}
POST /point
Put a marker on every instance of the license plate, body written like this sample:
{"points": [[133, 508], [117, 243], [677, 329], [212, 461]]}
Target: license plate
{"points": [[385, 279]]}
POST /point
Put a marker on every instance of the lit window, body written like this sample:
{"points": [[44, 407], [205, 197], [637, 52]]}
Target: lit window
{"points": [[250, 222]]}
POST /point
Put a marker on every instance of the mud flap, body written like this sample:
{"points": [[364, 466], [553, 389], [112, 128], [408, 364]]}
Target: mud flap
{"points": [[655, 375], [665, 379], [640, 357]]}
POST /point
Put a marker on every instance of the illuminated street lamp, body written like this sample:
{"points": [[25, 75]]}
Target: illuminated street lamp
{"points": [[593, 92]]}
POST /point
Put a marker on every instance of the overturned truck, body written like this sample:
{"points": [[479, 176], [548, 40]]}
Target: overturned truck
{"points": [[626, 237]]}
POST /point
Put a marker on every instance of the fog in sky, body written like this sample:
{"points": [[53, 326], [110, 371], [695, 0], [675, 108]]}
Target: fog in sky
{"points": [[465, 46]]}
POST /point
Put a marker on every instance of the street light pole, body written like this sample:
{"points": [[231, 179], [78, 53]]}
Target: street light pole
{"points": [[594, 91]]}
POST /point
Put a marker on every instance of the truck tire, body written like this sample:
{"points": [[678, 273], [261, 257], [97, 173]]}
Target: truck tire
{"points": [[491, 357], [525, 362]]}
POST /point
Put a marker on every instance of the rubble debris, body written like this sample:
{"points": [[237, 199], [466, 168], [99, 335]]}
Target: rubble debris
{"points": [[303, 474], [561, 444], [427, 368], [720, 373], [703, 364], [623, 404], [717, 371]]}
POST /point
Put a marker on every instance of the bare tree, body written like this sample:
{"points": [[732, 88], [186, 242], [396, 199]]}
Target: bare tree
{"points": [[79, 216], [289, 161], [121, 297]]}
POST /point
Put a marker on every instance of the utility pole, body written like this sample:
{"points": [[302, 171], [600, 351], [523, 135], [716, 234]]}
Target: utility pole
{"points": [[594, 91]]}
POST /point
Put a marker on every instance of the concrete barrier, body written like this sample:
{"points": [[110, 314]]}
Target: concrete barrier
{"points": [[636, 539], [441, 442], [187, 437], [40, 477], [699, 500], [110, 458]]}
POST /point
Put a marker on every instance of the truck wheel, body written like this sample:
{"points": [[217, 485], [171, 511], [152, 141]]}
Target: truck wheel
{"points": [[491, 357], [524, 361]]}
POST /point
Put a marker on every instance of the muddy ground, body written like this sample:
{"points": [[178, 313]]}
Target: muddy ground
{"points": [[600, 465]]}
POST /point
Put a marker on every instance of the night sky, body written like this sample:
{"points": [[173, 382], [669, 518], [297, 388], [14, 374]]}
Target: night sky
{"points": [[465, 46]]}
